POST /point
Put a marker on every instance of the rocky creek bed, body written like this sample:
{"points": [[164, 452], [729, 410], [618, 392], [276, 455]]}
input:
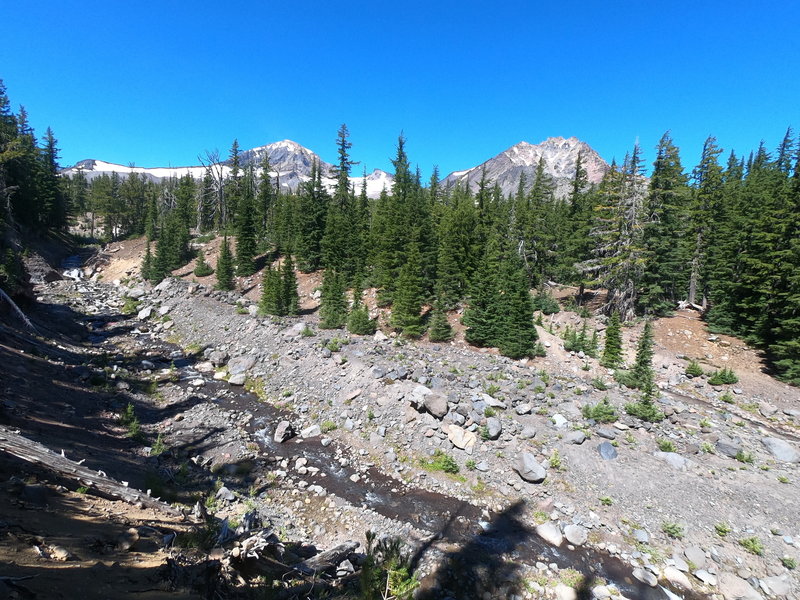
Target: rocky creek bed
{"points": [[540, 491]]}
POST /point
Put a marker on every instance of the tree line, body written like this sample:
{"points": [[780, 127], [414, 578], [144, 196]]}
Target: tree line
{"points": [[723, 237]]}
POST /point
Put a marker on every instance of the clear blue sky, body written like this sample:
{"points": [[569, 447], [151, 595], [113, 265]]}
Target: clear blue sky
{"points": [[157, 83]]}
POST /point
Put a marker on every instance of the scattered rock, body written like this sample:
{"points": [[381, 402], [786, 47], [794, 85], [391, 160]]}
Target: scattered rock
{"points": [[576, 534], [461, 438], [128, 539], [283, 432], [706, 577], [312, 431], [696, 556], [676, 461], [238, 379], [494, 427], [781, 450], [733, 587], [645, 576], [607, 451], [576, 437], [677, 578], [529, 469], [241, 364], [550, 533]]}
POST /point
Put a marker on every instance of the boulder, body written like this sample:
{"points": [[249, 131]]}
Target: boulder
{"points": [[550, 533], [529, 469], [645, 576], [733, 587], [781, 450], [241, 364], [607, 451], [673, 459], [145, 313], [677, 578], [218, 357], [283, 432], [312, 431], [576, 437], [237, 379], [491, 401], [494, 427], [461, 438], [576, 534]]}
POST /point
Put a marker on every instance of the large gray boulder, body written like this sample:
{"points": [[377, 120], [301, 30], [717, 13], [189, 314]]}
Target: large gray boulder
{"points": [[781, 450], [241, 364], [733, 587], [529, 468]]}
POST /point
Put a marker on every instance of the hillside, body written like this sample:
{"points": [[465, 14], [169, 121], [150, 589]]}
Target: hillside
{"points": [[368, 414]]}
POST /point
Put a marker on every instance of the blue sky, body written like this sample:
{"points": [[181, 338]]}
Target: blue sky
{"points": [[157, 83]]}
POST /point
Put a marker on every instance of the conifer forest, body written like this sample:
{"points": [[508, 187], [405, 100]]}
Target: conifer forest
{"points": [[721, 236]]}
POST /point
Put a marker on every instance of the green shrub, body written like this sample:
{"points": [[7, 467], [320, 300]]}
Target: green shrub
{"points": [[666, 445], [789, 562], [644, 410], [744, 457], [724, 376], [602, 412], [359, 323], [722, 529], [752, 545], [673, 530], [202, 268], [544, 302], [693, 369], [441, 462]]}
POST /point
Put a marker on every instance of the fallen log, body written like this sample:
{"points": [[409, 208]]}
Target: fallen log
{"points": [[325, 560], [34, 452]]}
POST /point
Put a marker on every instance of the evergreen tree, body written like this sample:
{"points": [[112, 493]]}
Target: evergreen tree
{"points": [[440, 328], [311, 212], [517, 337], [333, 306], [201, 267], [612, 352], [271, 302], [666, 274], [358, 322], [225, 267], [408, 296], [147, 264], [246, 238], [340, 242], [643, 367], [483, 316], [289, 295]]}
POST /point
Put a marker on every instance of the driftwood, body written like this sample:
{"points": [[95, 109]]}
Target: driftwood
{"points": [[325, 560], [17, 310], [34, 452]]}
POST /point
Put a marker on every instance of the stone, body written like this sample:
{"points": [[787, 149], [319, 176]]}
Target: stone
{"points": [[436, 404], [641, 536], [294, 330], [523, 409], [607, 451], [606, 433], [59, 553], [311, 431], [645, 576], [491, 401], [379, 336], [128, 539], [283, 432], [559, 421], [776, 585], [577, 535], [677, 578], [237, 379], [564, 592], [673, 459], [218, 357], [482, 466], [529, 469], [494, 427], [528, 433], [781, 450], [601, 592], [706, 577], [696, 556], [136, 293], [145, 313], [224, 493], [241, 364], [729, 448], [550, 533], [461, 438], [576, 437], [733, 587]]}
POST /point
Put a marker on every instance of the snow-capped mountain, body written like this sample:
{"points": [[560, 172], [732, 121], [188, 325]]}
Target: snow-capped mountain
{"points": [[560, 156], [290, 165]]}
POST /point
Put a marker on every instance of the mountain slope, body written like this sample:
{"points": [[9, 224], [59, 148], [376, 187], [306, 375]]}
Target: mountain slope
{"points": [[560, 155], [289, 161]]}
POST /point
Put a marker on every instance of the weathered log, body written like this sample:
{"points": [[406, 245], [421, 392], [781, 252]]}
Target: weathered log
{"points": [[325, 560], [34, 452]]}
